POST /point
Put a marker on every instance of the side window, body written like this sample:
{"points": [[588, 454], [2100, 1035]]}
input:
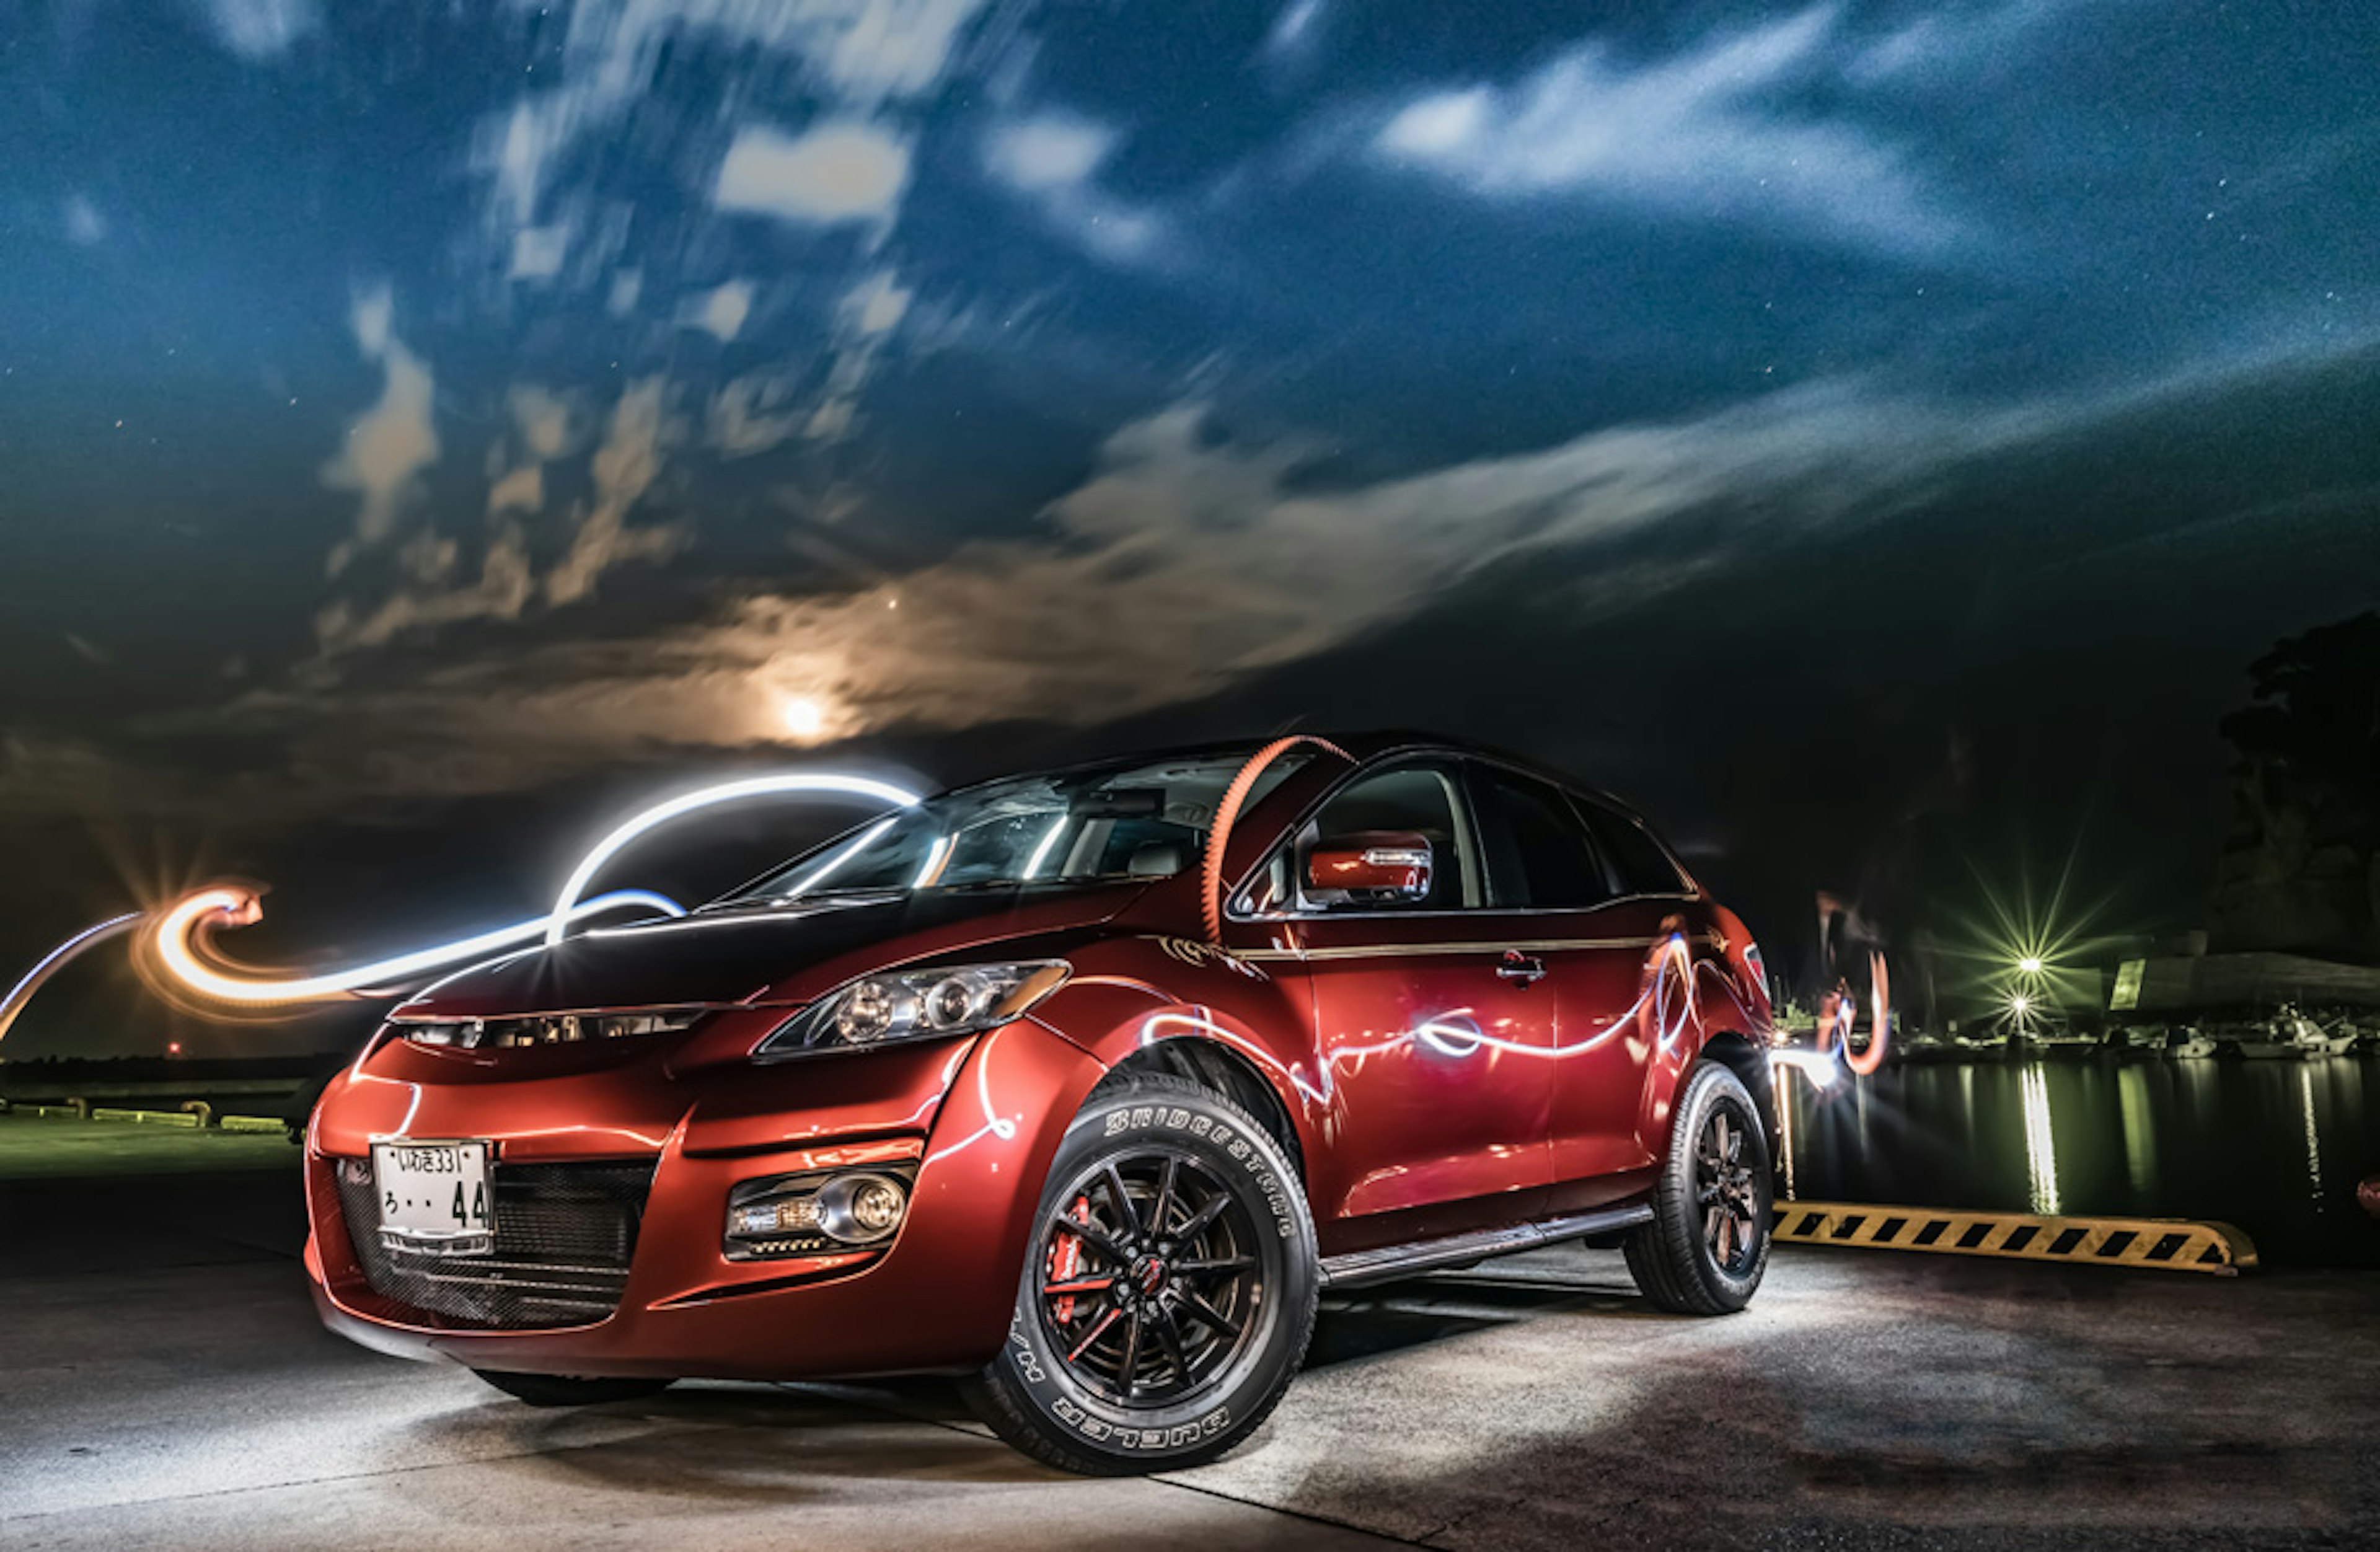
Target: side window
{"points": [[1641, 866], [1425, 797], [1538, 853]]}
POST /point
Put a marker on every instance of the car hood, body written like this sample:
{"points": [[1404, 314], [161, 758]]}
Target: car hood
{"points": [[762, 955]]}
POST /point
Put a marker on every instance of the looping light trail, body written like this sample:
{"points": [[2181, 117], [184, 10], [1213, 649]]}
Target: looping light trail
{"points": [[581, 876], [180, 926], [58, 958], [1218, 834], [174, 934]]}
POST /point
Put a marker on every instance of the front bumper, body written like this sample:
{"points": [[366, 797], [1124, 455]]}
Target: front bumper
{"points": [[981, 1117]]}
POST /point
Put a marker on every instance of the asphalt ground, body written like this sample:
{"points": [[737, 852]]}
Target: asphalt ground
{"points": [[166, 1386]]}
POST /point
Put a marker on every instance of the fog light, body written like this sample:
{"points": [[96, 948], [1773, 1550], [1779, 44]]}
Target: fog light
{"points": [[860, 1209], [761, 1220]]}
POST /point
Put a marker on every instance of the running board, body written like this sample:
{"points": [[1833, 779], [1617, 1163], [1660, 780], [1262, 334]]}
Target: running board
{"points": [[1359, 1266]]}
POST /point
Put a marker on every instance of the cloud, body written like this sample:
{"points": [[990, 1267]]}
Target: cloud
{"points": [[541, 419], [1295, 32], [864, 58], [755, 412], [625, 467], [508, 585], [720, 312], [257, 29], [838, 172], [1052, 151], [538, 252], [1713, 130], [85, 226], [388, 447], [1185, 562], [1052, 161]]}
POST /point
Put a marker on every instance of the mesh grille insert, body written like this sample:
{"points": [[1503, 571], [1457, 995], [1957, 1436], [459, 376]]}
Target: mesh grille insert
{"points": [[565, 1236]]}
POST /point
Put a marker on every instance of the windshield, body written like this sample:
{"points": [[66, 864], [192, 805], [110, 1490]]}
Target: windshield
{"points": [[1142, 819]]}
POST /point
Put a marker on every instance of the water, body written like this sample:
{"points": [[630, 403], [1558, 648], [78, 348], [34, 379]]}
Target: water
{"points": [[2274, 1147]]}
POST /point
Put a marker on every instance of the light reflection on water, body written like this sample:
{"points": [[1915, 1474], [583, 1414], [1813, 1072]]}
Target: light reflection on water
{"points": [[2040, 1145], [2274, 1146]]}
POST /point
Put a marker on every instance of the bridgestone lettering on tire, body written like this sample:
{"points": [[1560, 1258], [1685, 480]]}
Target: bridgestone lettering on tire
{"points": [[1707, 1245], [1168, 1292]]}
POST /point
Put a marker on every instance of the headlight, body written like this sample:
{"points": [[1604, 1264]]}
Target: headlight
{"points": [[917, 1005]]}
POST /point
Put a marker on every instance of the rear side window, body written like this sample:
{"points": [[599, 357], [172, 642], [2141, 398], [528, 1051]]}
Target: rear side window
{"points": [[1539, 852], [1637, 860]]}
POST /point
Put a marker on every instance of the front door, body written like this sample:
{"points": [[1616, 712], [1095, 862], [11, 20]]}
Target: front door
{"points": [[1431, 1033]]}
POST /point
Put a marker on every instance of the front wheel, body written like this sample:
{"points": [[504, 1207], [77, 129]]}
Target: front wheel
{"points": [[1707, 1245], [1168, 1292]]}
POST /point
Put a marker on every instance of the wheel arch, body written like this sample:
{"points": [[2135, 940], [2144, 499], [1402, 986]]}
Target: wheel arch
{"points": [[1740, 1054], [1219, 1066]]}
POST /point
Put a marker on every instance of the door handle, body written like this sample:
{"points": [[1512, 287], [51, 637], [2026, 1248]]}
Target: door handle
{"points": [[1525, 968]]}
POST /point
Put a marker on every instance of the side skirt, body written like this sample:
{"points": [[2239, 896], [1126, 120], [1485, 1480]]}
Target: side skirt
{"points": [[1360, 1267]]}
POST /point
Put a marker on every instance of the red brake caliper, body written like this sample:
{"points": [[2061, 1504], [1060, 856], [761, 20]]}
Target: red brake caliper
{"points": [[1066, 1260]]}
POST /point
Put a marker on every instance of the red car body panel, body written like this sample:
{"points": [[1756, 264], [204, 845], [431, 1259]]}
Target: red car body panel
{"points": [[1430, 1091]]}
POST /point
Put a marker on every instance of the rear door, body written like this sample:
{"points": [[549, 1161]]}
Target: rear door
{"points": [[1601, 948], [1429, 1043]]}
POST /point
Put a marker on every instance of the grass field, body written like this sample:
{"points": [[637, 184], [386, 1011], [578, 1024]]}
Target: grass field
{"points": [[36, 1147]]}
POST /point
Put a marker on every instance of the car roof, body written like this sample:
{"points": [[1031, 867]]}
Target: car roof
{"points": [[1363, 744]]}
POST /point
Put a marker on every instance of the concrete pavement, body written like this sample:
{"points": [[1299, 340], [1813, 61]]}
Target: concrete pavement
{"points": [[1867, 1400]]}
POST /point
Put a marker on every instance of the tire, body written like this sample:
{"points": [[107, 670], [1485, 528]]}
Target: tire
{"points": [[562, 1390], [1707, 1246], [1135, 1349]]}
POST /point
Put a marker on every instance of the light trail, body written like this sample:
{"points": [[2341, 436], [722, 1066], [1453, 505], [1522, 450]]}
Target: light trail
{"points": [[178, 928], [589, 866], [58, 960], [174, 934]]}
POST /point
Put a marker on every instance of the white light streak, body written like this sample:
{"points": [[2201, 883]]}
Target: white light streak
{"points": [[1820, 1067], [676, 807], [859, 844], [934, 860], [56, 960], [1041, 851], [178, 924]]}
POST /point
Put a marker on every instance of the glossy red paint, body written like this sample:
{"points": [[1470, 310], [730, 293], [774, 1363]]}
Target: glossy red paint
{"points": [[1435, 1070]]}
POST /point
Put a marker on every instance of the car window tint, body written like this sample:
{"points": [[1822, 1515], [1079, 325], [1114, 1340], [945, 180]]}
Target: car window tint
{"points": [[1417, 797], [1538, 853], [1643, 868]]}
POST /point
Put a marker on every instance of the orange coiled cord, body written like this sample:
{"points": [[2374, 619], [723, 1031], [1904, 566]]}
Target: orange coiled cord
{"points": [[1228, 811]]}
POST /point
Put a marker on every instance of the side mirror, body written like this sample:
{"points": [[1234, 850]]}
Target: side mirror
{"points": [[1368, 866]]}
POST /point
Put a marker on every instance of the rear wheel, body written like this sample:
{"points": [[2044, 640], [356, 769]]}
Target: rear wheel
{"points": [[561, 1390], [1168, 1292], [1707, 1246]]}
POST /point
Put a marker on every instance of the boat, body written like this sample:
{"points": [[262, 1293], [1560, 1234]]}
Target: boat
{"points": [[2312, 1039]]}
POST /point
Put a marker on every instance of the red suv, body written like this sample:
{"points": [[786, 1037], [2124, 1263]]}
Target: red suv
{"points": [[1060, 1084]]}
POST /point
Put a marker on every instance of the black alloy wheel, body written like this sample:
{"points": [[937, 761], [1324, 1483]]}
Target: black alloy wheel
{"points": [[1706, 1248], [1168, 1290], [1726, 1192], [1153, 1284]]}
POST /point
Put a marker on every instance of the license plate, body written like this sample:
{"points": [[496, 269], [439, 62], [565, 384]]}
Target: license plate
{"points": [[434, 1197]]}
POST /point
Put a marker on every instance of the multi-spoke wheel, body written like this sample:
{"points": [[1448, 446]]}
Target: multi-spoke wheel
{"points": [[1726, 1192], [1707, 1245], [1168, 1290], [1153, 1282]]}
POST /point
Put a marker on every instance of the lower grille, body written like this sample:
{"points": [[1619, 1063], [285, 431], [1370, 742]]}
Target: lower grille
{"points": [[565, 1236]]}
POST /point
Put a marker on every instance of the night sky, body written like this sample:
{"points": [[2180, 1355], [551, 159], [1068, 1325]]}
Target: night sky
{"points": [[1873, 438]]}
